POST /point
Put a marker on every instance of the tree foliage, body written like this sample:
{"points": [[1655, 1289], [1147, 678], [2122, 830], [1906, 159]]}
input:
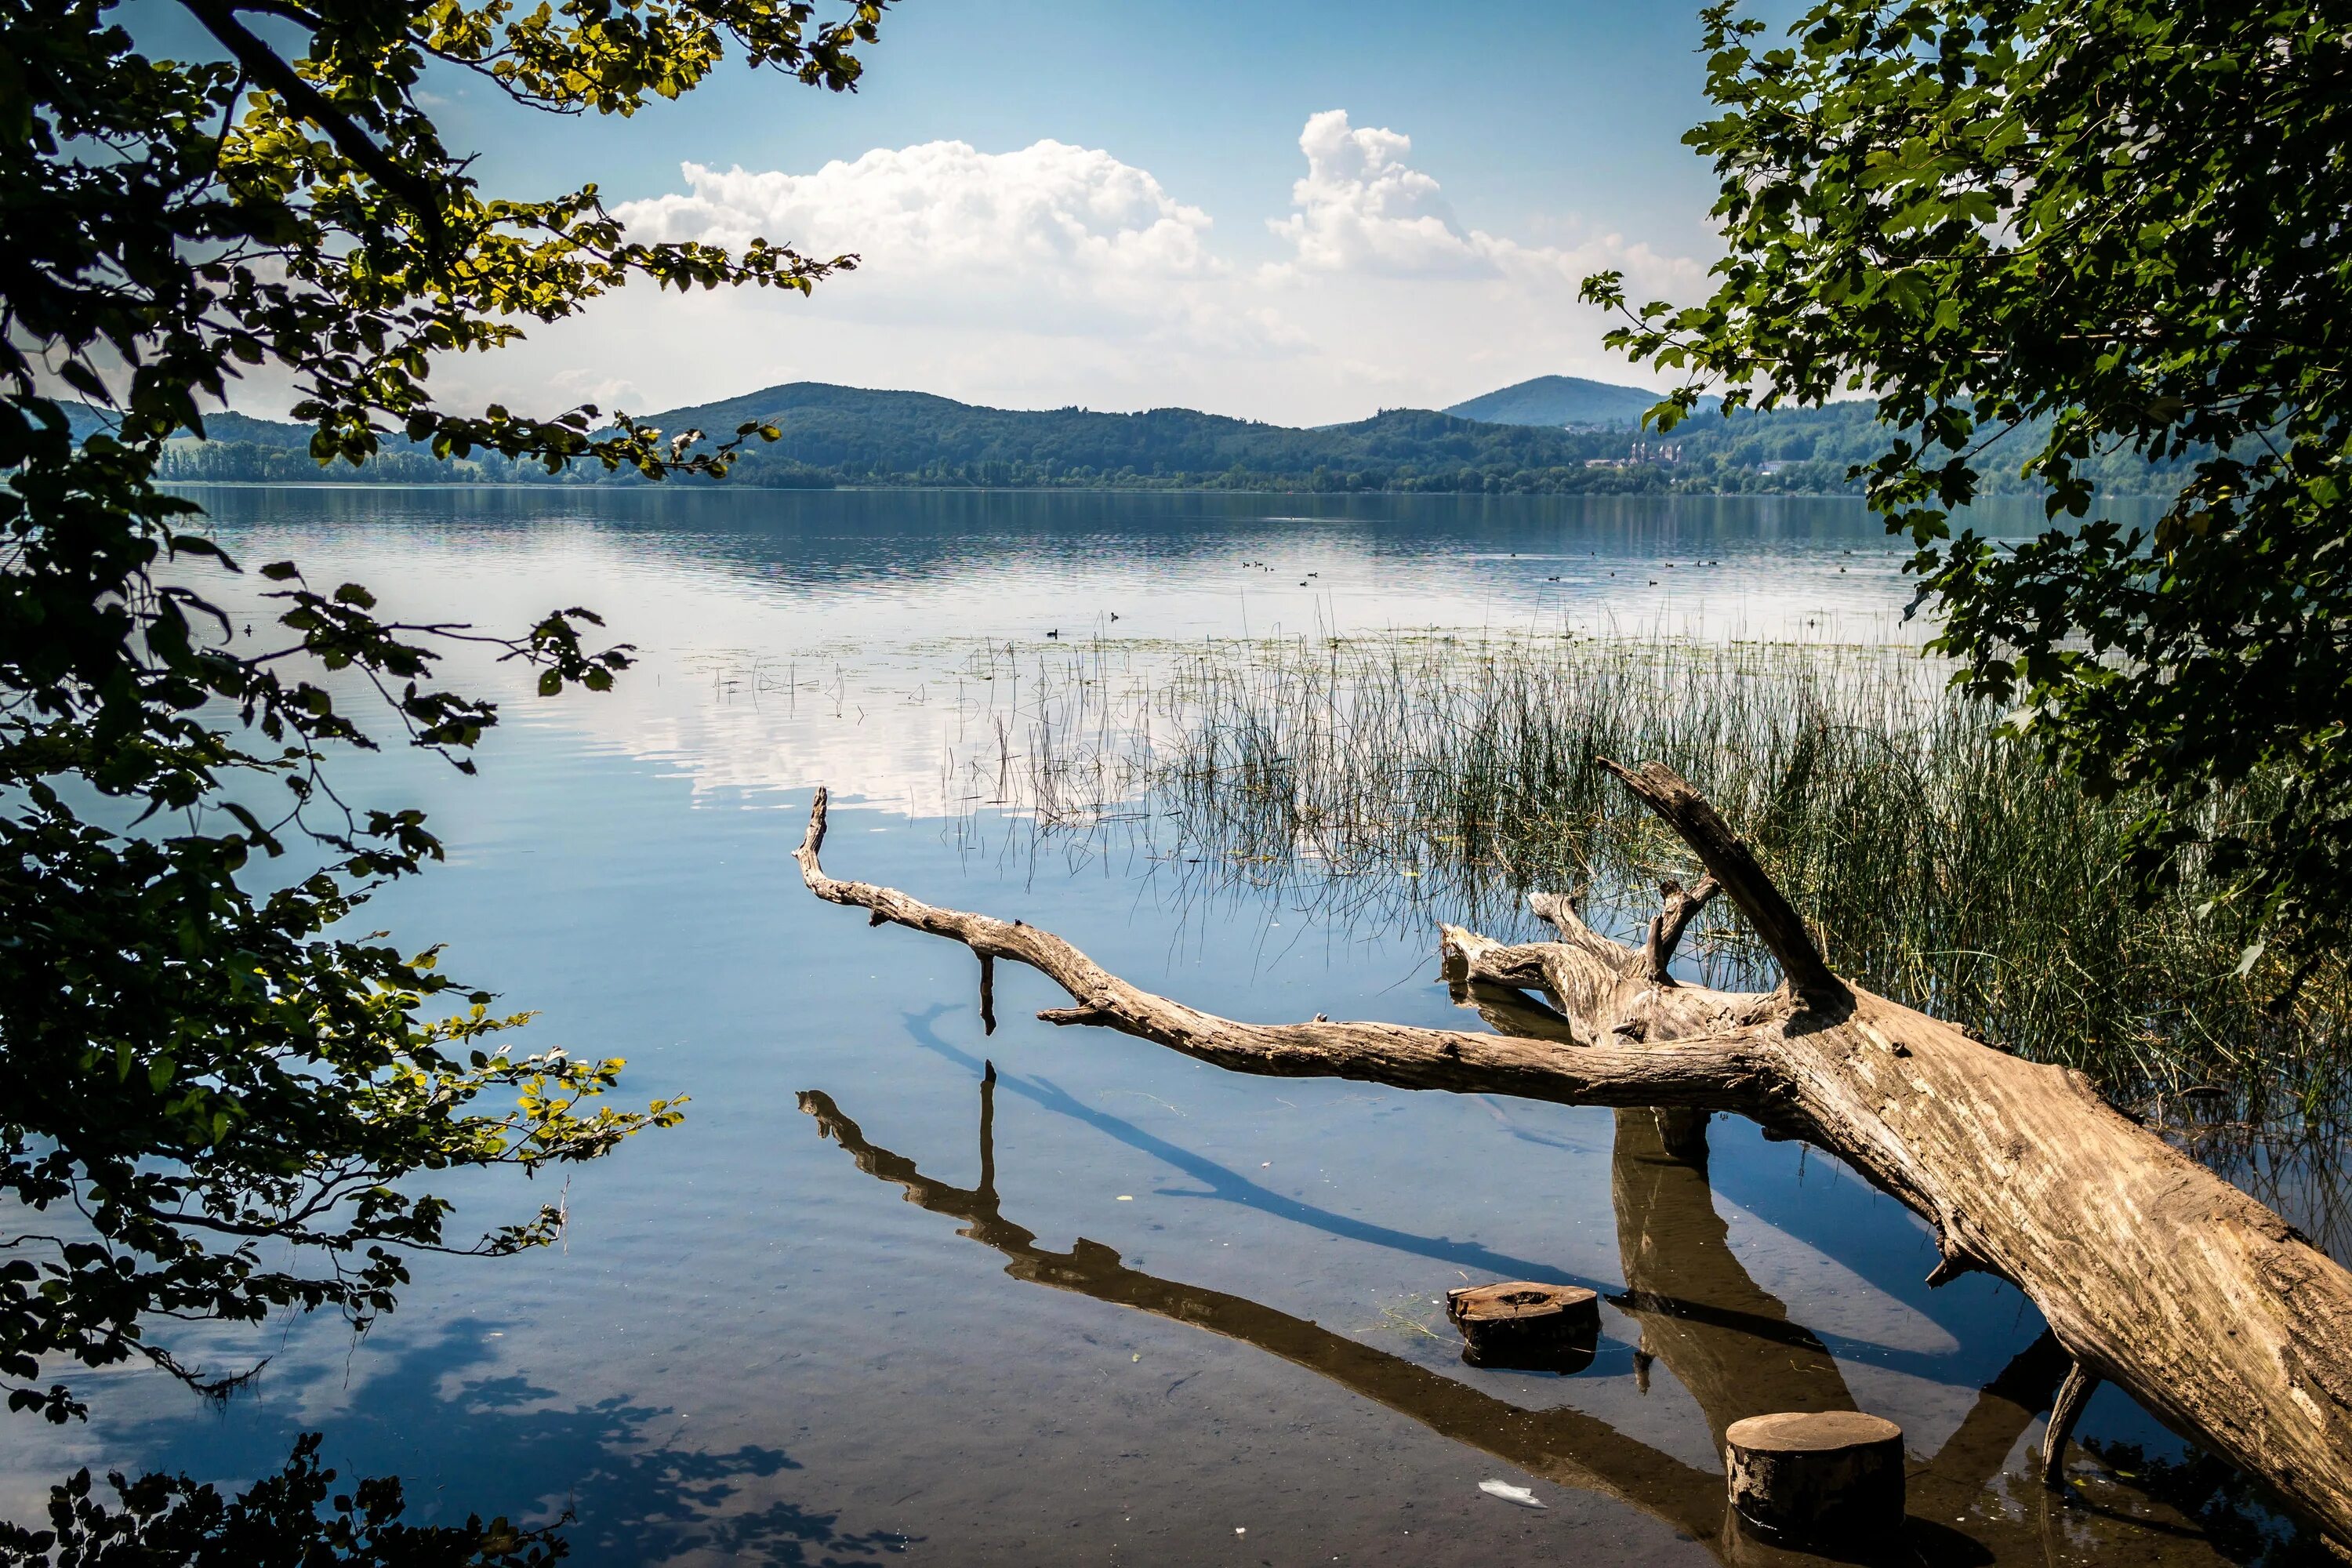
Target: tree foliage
{"points": [[212, 1089], [2123, 220], [288, 1520]]}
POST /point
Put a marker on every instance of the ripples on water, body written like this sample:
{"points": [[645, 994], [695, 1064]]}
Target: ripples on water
{"points": [[1103, 1304]]}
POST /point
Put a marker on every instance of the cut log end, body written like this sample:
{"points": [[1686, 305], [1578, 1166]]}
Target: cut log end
{"points": [[1525, 1327], [1816, 1477]]}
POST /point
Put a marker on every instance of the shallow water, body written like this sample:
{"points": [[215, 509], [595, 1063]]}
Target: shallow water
{"points": [[1105, 1305]]}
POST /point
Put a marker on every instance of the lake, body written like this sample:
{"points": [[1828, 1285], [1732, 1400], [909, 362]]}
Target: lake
{"points": [[1059, 1296]]}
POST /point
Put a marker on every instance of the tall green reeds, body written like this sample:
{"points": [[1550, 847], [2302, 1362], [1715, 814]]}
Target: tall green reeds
{"points": [[1940, 864]]}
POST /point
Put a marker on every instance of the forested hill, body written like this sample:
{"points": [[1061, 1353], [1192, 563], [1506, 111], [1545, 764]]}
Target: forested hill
{"points": [[1559, 401], [837, 435], [853, 436]]}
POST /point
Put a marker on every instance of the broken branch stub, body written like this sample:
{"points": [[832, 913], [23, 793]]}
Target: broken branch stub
{"points": [[1730, 862], [2152, 1272], [1667, 927]]}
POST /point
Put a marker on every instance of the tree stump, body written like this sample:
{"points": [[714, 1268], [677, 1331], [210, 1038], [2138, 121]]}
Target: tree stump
{"points": [[1522, 1327], [1817, 1477]]}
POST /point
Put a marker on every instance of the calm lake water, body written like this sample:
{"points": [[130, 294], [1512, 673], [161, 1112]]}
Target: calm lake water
{"points": [[1112, 1307]]}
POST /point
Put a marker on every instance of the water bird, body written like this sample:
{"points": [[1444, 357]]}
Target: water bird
{"points": [[1055, 633], [1114, 614]]}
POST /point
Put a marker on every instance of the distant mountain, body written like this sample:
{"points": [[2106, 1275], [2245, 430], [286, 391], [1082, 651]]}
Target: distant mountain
{"points": [[783, 401], [850, 436], [84, 422], [1560, 400], [266, 432]]}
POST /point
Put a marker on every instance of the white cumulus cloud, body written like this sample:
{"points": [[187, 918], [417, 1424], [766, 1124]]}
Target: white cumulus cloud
{"points": [[1362, 208], [1055, 274], [1064, 219]]}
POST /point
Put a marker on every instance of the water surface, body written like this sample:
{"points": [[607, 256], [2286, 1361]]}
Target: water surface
{"points": [[1060, 1296]]}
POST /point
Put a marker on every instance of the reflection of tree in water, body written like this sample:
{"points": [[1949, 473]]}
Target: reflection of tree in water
{"points": [[634, 1499], [2222, 1498], [1715, 1328], [1728, 1341], [1221, 1183]]}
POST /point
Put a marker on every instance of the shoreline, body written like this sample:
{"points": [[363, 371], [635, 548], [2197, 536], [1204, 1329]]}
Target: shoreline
{"points": [[502, 485]]}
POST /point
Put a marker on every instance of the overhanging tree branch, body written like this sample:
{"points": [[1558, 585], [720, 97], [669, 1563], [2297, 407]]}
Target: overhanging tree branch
{"points": [[266, 66]]}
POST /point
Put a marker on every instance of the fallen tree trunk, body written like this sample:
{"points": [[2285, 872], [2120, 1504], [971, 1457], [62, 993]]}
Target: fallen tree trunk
{"points": [[2153, 1273]]}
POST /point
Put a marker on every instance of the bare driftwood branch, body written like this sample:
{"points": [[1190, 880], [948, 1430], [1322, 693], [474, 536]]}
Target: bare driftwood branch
{"points": [[1667, 926], [2153, 1273], [1715, 1073], [1729, 861]]}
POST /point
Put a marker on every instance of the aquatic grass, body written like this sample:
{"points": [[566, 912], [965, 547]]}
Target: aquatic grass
{"points": [[1407, 776], [1407, 1316]]}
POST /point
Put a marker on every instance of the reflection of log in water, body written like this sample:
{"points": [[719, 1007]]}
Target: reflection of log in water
{"points": [[1563, 1446], [1730, 1341], [1725, 1338]]}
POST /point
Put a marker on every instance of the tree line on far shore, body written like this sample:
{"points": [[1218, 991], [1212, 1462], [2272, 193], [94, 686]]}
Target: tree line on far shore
{"points": [[833, 437]]}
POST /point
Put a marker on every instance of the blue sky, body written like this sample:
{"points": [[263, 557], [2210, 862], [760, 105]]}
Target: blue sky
{"points": [[1300, 212], [1529, 113]]}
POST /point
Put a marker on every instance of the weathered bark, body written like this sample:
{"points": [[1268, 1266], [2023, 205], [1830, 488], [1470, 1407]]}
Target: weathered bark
{"points": [[1666, 929], [2153, 1273], [1724, 1073]]}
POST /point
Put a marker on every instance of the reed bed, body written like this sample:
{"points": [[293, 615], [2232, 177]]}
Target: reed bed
{"points": [[1401, 777]]}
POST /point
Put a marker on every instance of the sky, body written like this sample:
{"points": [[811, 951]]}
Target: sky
{"points": [[1303, 212]]}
